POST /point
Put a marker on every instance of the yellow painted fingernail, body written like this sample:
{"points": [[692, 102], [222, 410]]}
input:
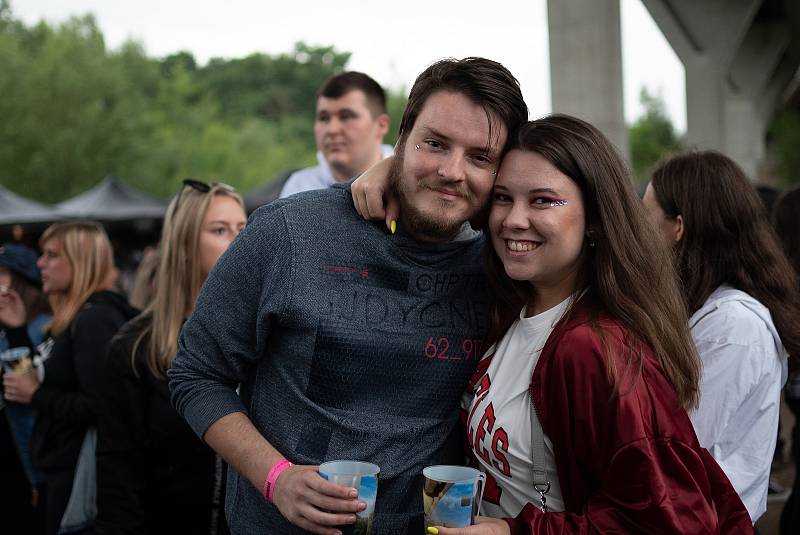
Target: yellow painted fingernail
{"points": [[393, 228], [433, 531]]}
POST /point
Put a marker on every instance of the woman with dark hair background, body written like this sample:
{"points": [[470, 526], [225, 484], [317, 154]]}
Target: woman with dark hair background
{"points": [[743, 299], [787, 224]]}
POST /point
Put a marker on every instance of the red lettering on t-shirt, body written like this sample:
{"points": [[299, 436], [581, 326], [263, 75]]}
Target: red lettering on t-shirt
{"points": [[484, 426], [480, 393], [499, 449]]}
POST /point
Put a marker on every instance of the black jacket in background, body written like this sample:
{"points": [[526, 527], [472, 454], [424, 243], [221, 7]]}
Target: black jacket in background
{"points": [[66, 403], [154, 476]]}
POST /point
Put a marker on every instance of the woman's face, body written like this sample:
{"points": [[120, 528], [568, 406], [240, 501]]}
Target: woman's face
{"points": [[538, 224], [55, 267], [223, 221], [670, 228]]}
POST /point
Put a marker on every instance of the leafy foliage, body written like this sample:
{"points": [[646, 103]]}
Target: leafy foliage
{"points": [[74, 111], [652, 136], [784, 149]]}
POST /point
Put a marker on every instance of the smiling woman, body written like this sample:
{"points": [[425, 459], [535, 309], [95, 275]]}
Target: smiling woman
{"points": [[537, 224], [592, 368]]}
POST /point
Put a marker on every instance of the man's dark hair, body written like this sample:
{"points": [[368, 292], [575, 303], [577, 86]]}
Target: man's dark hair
{"points": [[339, 84], [485, 82]]}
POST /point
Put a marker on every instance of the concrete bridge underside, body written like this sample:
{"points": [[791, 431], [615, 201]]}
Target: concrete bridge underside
{"points": [[741, 59]]}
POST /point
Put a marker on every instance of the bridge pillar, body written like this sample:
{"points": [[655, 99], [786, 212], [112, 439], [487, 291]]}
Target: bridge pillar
{"points": [[586, 64]]}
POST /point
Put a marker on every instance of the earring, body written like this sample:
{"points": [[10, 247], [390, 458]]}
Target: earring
{"points": [[590, 238]]}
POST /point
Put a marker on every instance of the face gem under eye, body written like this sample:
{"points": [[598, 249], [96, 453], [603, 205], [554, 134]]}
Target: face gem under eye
{"points": [[558, 202]]}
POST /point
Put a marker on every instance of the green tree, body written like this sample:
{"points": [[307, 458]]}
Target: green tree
{"points": [[74, 111], [395, 104], [651, 136], [271, 87], [784, 147], [69, 108]]}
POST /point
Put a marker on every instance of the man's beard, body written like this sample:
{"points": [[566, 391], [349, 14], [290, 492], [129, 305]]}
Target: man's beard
{"points": [[421, 225]]}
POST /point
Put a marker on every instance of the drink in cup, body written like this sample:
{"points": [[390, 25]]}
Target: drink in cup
{"points": [[17, 360], [452, 495], [362, 477]]}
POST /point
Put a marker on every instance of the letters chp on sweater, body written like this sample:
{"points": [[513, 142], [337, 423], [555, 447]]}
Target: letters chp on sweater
{"points": [[348, 343], [627, 458]]}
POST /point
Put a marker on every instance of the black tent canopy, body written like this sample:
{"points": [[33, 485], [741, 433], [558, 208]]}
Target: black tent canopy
{"points": [[16, 209], [112, 200]]}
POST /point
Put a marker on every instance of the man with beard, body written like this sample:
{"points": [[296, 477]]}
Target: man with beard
{"points": [[348, 342]]}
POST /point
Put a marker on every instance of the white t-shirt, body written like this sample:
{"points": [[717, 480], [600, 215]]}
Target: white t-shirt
{"points": [[499, 418]]}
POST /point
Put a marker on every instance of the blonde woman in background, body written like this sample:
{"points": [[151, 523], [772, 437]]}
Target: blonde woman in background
{"points": [[154, 475], [77, 267]]}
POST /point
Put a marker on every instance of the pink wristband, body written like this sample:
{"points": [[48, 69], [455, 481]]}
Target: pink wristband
{"points": [[269, 483]]}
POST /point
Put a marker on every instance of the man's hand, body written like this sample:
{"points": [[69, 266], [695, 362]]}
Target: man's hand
{"points": [[300, 494], [12, 309], [372, 197], [483, 526], [314, 504]]}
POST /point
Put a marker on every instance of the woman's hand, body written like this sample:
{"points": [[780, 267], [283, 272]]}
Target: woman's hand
{"points": [[372, 196], [483, 526], [20, 387], [309, 501], [12, 309]]}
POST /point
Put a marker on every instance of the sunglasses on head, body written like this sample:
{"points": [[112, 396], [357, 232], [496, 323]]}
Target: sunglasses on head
{"points": [[202, 187]]}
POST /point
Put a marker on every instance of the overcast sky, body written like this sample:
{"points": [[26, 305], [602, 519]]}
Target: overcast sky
{"points": [[391, 41]]}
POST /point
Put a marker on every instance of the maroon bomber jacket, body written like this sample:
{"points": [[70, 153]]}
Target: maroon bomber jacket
{"points": [[628, 459]]}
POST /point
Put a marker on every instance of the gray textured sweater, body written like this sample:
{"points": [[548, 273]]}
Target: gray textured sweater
{"points": [[348, 343]]}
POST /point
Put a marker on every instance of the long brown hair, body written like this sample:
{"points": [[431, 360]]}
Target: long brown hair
{"points": [[727, 237], [627, 270], [91, 257]]}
